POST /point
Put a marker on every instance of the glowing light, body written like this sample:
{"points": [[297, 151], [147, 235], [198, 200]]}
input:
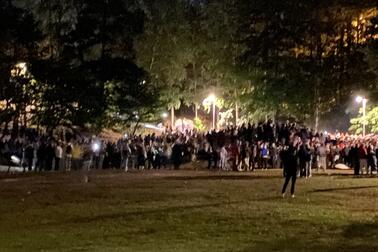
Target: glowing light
{"points": [[15, 159], [150, 126], [212, 98], [164, 115], [19, 69], [96, 147], [21, 65], [359, 99]]}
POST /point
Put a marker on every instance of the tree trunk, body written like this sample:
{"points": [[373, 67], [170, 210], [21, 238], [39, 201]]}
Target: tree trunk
{"points": [[195, 89], [103, 26], [236, 113], [152, 58], [316, 128], [172, 117], [317, 104], [135, 128], [25, 119]]}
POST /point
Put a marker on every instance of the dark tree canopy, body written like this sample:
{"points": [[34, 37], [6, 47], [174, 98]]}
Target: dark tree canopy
{"points": [[108, 62]]}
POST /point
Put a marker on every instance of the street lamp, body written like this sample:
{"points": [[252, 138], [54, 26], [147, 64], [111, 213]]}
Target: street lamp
{"points": [[164, 115], [363, 100], [212, 98]]}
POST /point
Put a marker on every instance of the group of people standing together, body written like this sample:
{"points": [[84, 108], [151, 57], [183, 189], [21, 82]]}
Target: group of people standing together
{"points": [[243, 148], [249, 147]]}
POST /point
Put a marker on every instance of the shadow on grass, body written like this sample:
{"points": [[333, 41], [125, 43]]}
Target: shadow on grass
{"points": [[365, 231], [355, 237], [343, 189], [120, 215], [348, 176], [222, 177]]}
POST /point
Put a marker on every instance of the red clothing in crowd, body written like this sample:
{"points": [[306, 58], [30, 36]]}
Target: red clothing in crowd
{"points": [[233, 150], [362, 152]]}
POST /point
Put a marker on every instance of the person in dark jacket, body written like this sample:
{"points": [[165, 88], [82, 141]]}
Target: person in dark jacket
{"points": [[41, 156], [290, 169], [29, 156], [353, 157], [50, 155], [304, 155], [177, 155]]}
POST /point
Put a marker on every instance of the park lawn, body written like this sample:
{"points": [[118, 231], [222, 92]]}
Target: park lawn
{"points": [[187, 211]]}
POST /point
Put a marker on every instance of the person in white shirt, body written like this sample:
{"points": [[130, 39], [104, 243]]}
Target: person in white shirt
{"points": [[58, 156], [223, 158], [126, 153], [322, 150]]}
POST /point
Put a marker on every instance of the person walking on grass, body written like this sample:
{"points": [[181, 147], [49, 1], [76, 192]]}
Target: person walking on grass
{"points": [[290, 169]]}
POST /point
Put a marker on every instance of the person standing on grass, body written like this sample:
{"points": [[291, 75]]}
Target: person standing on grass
{"points": [[29, 156], [252, 156], [177, 154], [242, 155], [290, 169], [50, 155], [58, 156], [41, 155], [264, 154], [353, 157], [141, 155], [68, 161], [126, 153], [77, 155], [223, 158], [371, 158], [362, 157], [322, 154], [304, 155], [233, 153]]}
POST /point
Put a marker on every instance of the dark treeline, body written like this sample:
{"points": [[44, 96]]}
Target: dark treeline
{"points": [[108, 62]]}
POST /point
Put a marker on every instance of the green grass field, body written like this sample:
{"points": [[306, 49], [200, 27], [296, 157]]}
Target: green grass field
{"points": [[187, 211]]}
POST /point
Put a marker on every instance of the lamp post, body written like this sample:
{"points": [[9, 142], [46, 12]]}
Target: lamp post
{"points": [[172, 118], [164, 116], [363, 100]]}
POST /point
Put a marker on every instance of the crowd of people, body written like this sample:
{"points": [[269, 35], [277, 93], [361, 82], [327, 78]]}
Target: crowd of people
{"points": [[244, 148]]}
